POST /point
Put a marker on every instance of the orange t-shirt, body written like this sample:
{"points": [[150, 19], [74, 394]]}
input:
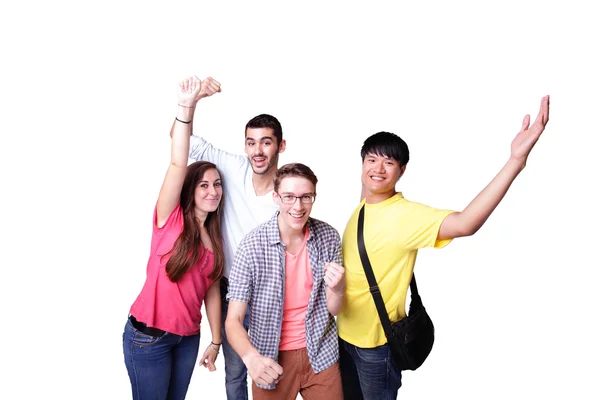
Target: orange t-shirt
{"points": [[298, 286]]}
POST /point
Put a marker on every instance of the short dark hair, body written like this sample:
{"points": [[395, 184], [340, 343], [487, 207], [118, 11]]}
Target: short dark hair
{"points": [[294, 169], [386, 144], [266, 121]]}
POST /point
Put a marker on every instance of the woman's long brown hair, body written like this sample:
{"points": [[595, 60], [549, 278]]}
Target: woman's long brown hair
{"points": [[187, 249]]}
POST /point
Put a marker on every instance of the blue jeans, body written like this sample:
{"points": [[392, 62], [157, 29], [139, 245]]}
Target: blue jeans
{"points": [[368, 374], [236, 385], [159, 367]]}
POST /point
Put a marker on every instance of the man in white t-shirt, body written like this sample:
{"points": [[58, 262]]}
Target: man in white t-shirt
{"points": [[248, 202]]}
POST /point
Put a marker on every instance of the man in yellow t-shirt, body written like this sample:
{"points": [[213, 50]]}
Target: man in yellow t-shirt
{"points": [[394, 230]]}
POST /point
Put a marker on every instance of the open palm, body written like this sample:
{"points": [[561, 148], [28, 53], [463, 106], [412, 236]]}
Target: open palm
{"points": [[525, 140]]}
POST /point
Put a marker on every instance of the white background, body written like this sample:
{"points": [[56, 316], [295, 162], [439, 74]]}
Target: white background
{"points": [[88, 96]]}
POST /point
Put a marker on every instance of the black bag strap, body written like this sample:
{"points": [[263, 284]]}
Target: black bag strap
{"points": [[373, 286]]}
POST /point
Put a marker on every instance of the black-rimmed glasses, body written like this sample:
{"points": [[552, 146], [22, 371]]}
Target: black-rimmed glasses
{"points": [[308, 198]]}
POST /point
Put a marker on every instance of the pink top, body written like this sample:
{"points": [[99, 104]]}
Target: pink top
{"points": [[172, 306], [298, 286]]}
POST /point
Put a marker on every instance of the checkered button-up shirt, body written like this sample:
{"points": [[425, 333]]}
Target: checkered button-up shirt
{"points": [[258, 278]]}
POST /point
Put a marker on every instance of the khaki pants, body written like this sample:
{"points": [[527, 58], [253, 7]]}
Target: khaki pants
{"points": [[299, 377]]}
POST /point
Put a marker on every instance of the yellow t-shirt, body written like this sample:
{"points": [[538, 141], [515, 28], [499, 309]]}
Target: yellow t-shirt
{"points": [[394, 230]]}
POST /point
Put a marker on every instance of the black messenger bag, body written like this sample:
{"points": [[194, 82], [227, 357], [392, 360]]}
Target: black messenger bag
{"points": [[411, 338]]}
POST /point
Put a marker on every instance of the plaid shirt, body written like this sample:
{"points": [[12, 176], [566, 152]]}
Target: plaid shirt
{"points": [[258, 278]]}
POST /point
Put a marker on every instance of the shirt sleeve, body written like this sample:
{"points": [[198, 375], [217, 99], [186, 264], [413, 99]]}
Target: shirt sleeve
{"points": [[175, 219], [240, 276], [336, 248], [164, 238], [200, 149], [423, 226]]}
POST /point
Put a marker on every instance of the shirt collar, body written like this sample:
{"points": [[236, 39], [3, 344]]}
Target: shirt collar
{"points": [[273, 230]]}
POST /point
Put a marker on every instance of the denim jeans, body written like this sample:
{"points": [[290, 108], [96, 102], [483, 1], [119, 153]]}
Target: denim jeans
{"points": [[159, 367], [236, 385], [368, 374]]}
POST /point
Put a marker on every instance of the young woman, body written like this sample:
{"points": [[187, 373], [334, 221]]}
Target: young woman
{"points": [[162, 333]]}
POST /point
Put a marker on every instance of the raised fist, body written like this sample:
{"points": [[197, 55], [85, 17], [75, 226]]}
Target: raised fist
{"points": [[193, 89]]}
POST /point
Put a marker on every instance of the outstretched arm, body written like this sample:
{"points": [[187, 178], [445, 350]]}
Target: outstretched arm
{"points": [[170, 191], [473, 217]]}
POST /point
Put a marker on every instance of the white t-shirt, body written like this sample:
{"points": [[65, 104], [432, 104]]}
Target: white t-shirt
{"points": [[243, 209]]}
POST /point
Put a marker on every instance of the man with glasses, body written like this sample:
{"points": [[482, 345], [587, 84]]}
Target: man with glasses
{"points": [[288, 273]]}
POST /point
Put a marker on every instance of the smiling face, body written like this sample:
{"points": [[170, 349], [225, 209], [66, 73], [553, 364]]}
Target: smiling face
{"points": [[293, 216], [262, 149], [208, 192], [379, 177]]}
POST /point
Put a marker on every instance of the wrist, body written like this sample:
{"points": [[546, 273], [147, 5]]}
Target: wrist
{"points": [[246, 358], [214, 347], [337, 291], [185, 113], [517, 164]]}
